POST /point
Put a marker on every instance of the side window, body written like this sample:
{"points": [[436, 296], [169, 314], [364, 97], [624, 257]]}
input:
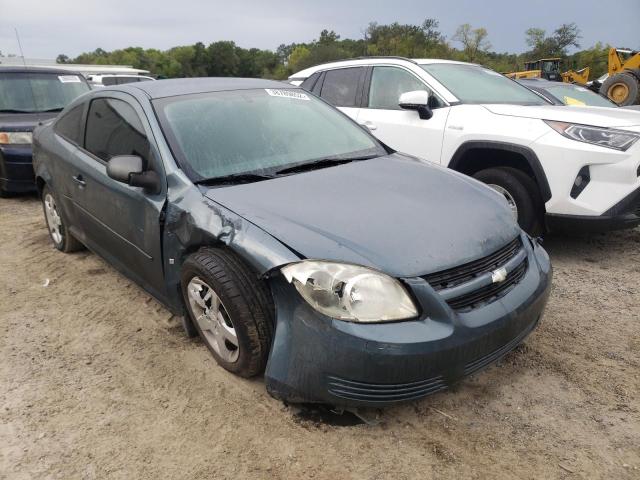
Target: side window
{"points": [[114, 128], [69, 125], [310, 82], [340, 86], [388, 83], [124, 80], [109, 81]]}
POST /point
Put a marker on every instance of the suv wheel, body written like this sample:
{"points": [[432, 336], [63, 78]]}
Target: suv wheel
{"points": [[231, 308], [520, 192]]}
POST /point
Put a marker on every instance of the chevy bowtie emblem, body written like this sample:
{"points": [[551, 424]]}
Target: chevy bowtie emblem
{"points": [[499, 275]]}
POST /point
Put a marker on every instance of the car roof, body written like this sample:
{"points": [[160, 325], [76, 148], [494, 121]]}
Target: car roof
{"points": [[57, 71], [303, 74], [188, 86]]}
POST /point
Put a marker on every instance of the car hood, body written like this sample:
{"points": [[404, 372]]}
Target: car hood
{"points": [[393, 213], [24, 122], [598, 116]]}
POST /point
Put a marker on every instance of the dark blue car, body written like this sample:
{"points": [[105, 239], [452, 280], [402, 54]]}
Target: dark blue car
{"points": [[29, 96], [290, 239]]}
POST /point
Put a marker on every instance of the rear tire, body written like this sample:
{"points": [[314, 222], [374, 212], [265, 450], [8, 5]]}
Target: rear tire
{"points": [[231, 308], [57, 225], [622, 89], [520, 189]]}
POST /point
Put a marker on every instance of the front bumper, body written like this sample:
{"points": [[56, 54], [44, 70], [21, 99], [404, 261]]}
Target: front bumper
{"points": [[625, 214], [614, 177], [16, 169], [320, 360]]}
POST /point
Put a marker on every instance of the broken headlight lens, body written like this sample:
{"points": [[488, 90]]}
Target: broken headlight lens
{"points": [[604, 137], [350, 292]]}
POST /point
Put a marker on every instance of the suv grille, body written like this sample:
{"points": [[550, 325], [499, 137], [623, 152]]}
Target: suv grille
{"points": [[453, 277]]}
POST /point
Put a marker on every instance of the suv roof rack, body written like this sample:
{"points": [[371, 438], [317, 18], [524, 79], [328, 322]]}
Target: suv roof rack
{"points": [[396, 57]]}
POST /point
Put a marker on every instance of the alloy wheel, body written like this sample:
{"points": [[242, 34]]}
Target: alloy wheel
{"points": [[54, 222], [213, 320]]}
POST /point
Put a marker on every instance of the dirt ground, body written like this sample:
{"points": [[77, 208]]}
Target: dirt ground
{"points": [[97, 380]]}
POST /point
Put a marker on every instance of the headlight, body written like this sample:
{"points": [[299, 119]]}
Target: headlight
{"points": [[605, 137], [17, 138], [349, 292]]}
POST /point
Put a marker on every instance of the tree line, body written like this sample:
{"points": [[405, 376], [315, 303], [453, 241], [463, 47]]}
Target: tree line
{"points": [[468, 43]]}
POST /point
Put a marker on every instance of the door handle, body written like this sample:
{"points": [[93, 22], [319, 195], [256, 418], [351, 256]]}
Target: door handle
{"points": [[78, 179], [369, 125]]}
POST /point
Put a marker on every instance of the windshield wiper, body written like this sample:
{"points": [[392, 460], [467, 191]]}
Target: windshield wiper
{"points": [[322, 163], [234, 178], [14, 110]]}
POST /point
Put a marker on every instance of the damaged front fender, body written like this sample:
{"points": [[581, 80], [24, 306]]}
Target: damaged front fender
{"points": [[192, 221]]}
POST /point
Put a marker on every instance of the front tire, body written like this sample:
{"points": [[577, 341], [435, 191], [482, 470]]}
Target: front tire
{"points": [[231, 308], [622, 89], [57, 226], [520, 191]]}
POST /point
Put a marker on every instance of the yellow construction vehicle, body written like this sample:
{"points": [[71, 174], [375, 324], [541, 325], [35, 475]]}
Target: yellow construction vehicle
{"points": [[622, 86], [576, 76], [549, 69]]}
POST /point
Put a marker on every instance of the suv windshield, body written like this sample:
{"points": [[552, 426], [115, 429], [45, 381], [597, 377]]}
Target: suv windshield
{"points": [[31, 92], [576, 95], [257, 131], [476, 84]]}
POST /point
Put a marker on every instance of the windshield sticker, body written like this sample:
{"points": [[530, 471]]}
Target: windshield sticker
{"points": [[69, 78], [287, 94]]}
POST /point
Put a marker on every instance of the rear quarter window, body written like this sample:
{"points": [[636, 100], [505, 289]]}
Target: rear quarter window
{"points": [[310, 82], [69, 125]]}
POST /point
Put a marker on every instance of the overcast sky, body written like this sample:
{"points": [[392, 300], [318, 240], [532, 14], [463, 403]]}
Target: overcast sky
{"points": [[50, 27]]}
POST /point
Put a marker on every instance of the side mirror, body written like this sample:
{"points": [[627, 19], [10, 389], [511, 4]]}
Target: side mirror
{"points": [[416, 100], [129, 169]]}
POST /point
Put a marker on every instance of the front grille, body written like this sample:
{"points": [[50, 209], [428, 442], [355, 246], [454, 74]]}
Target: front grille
{"points": [[464, 273], [387, 392], [490, 293], [453, 277]]}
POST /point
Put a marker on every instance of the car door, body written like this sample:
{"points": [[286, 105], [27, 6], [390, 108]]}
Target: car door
{"points": [[342, 87], [402, 130], [69, 134], [118, 221]]}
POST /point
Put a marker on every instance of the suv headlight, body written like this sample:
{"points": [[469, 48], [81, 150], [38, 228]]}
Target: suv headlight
{"points": [[605, 137], [350, 292], [15, 138]]}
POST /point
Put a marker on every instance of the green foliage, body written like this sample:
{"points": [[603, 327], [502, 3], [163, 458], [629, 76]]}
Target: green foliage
{"points": [[595, 57], [565, 36], [225, 58], [406, 40], [474, 41]]}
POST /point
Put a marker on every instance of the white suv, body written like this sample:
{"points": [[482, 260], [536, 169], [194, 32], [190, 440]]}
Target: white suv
{"points": [[559, 168]]}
